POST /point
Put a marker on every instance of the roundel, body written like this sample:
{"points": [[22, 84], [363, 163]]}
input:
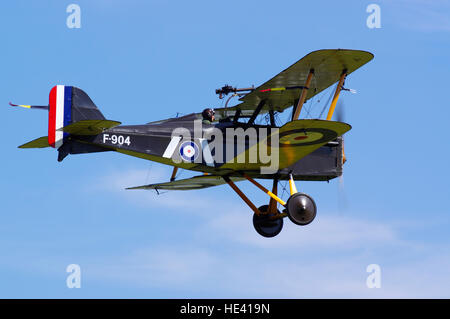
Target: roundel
{"points": [[300, 137], [189, 151], [305, 137]]}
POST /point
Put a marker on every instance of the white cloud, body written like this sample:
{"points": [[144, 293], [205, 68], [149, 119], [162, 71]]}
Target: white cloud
{"points": [[325, 231], [272, 273]]}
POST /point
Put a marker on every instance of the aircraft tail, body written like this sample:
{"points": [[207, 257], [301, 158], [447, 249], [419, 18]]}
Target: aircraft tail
{"points": [[70, 112], [68, 105]]}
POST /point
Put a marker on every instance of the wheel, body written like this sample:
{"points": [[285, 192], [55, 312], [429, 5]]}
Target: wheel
{"points": [[301, 209], [265, 225]]}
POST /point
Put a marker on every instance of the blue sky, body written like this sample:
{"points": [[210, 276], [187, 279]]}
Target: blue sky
{"points": [[146, 60]]}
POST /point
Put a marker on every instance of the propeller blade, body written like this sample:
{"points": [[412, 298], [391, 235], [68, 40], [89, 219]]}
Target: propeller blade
{"points": [[340, 116]]}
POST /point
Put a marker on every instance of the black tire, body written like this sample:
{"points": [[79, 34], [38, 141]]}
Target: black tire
{"points": [[301, 209], [265, 225]]}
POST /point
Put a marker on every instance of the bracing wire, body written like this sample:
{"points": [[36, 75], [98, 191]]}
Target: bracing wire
{"points": [[284, 190], [328, 101]]}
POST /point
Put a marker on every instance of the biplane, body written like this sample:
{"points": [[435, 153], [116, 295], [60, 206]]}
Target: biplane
{"points": [[298, 150]]}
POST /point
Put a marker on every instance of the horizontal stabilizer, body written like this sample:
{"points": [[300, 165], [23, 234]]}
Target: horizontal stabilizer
{"points": [[89, 127], [40, 142], [196, 182]]}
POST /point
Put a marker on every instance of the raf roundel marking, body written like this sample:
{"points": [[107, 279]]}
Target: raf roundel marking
{"points": [[189, 151], [305, 137]]}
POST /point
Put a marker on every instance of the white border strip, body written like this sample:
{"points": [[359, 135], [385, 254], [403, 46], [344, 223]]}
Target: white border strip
{"points": [[172, 146], [59, 115]]}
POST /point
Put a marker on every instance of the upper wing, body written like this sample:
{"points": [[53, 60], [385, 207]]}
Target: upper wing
{"points": [[327, 65], [196, 182]]}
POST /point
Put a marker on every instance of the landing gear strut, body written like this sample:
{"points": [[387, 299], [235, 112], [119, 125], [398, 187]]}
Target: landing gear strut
{"points": [[267, 219]]}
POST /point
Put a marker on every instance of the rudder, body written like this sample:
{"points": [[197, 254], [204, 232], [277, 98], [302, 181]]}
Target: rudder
{"points": [[68, 105]]}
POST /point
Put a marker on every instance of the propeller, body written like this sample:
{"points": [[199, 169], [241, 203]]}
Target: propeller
{"points": [[340, 112], [340, 117], [342, 197]]}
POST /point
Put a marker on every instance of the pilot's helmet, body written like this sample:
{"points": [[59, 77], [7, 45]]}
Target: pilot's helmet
{"points": [[208, 114]]}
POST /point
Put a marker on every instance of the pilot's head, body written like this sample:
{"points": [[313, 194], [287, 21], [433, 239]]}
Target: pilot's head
{"points": [[208, 114]]}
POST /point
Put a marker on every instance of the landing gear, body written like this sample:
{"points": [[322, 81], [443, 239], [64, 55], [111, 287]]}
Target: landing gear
{"points": [[267, 219], [266, 223], [301, 209]]}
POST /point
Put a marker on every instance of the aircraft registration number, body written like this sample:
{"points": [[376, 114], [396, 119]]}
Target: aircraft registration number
{"points": [[116, 139]]}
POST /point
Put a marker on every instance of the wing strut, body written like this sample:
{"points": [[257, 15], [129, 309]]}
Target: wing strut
{"points": [[236, 116], [174, 173], [272, 118], [302, 99], [336, 95], [256, 112]]}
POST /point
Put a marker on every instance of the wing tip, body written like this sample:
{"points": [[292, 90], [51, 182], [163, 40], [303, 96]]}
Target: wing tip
{"points": [[136, 187]]}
